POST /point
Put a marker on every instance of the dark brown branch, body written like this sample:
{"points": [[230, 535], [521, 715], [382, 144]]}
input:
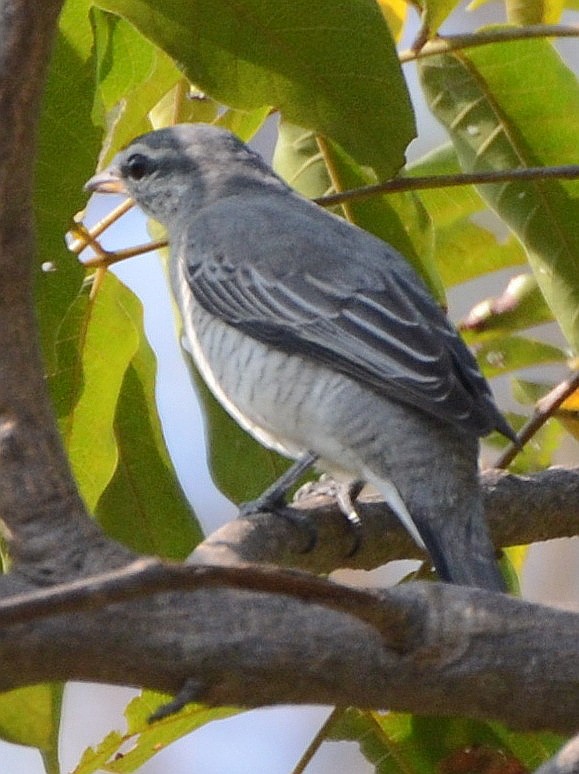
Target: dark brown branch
{"points": [[150, 576], [248, 648], [39, 501], [520, 510], [544, 410], [448, 43], [568, 172]]}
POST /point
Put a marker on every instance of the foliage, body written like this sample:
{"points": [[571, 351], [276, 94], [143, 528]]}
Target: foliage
{"points": [[331, 73]]}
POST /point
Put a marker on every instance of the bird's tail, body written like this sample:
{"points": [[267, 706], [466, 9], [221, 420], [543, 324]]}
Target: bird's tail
{"points": [[459, 545]]}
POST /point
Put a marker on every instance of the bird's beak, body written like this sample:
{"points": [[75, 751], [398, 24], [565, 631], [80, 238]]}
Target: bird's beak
{"points": [[109, 181]]}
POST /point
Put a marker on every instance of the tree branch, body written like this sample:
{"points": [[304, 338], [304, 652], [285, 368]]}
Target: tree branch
{"points": [[39, 501], [399, 184], [544, 410], [448, 43], [520, 510], [279, 649]]}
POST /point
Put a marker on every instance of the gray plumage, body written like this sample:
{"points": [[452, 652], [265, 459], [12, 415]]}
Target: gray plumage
{"points": [[317, 336]]}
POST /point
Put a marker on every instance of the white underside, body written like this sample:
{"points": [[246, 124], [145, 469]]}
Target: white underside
{"points": [[328, 462]]}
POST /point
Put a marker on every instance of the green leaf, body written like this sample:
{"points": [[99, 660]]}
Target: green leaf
{"points": [[144, 506], [104, 394], [183, 103], [31, 716], [397, 743], [132, 76], [68, 145], [299, 160], [445, 205], [146, 739], [322, 64], [525, 12], [100, 340], [243, 123], [516, 105], [509, 353], [463, 249], [434, 12]]}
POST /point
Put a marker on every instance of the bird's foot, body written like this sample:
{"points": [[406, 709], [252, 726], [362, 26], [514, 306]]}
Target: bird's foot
{"points": [[273, 500], [279, 507], [345, 494]]}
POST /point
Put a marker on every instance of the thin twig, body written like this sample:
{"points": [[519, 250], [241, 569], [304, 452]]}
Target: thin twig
{"points": [[85, 237], [399, 184], [318, 740], [544, 410], [449, 43], [106, 258]]}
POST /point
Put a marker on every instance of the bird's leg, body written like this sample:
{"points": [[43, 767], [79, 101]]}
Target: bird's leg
{"points": [[273, 499], [345, 494]]}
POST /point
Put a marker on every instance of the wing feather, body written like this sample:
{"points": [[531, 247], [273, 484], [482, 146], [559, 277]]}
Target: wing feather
{"points": [[340, 296]]}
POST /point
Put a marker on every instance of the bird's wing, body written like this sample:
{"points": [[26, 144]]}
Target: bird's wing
{"points": [[368, 317]]}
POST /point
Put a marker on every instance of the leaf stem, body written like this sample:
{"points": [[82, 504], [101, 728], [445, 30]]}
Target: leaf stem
{"points": [[544, 410], [318, 740], [568, 171], [449, 43]]}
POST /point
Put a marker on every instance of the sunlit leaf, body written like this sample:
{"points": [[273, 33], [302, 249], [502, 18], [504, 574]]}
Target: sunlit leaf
{"points": [[104, 342], [450, 204], [31, 716], [509, 106], [132, 75], [68, 145], [323, 74], [395, 12], [434, 12], [144, 506], [526, 12], [243, 123], [145, 738], [465, 251], [509, 353]]}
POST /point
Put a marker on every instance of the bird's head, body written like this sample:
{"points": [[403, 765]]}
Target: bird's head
{"points": [[183, 167]]}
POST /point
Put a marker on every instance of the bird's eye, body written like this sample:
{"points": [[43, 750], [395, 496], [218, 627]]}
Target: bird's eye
{"points": [[137, 166]]}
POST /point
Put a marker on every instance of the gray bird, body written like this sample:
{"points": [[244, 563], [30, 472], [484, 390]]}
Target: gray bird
{"points": [[319, 338]]}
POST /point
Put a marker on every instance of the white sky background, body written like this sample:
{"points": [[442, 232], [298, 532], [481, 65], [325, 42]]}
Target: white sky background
{"points": [[264, 741]]}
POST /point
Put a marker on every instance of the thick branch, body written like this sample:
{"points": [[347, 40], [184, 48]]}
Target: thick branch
{"points": [[38, 497], [520, 510], [464, 652]]}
